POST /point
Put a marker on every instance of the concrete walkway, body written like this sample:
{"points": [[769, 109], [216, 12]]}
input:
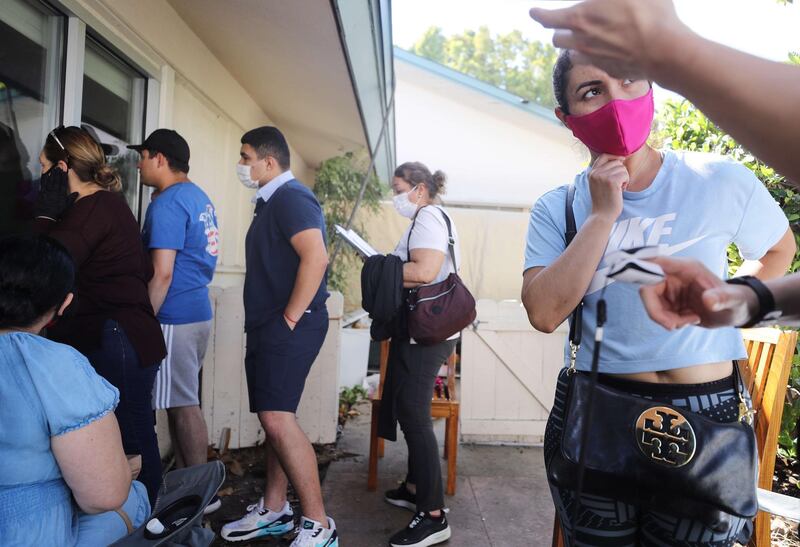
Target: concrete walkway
{"points": [[501, 500]]}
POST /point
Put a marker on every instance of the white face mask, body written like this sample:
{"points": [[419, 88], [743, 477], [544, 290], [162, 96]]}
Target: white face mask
{"points": [[243, 172], [404, 205]]}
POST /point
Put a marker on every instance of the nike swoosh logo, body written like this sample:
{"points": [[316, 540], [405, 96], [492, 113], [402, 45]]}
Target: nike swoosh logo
{"points": [[599, 279]]}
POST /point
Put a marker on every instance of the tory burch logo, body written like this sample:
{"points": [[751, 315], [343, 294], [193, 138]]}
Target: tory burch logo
{"points": [[664, 436]]}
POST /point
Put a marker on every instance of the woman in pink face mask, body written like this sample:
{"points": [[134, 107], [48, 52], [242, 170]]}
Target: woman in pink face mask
{"points": [[687, 204]]}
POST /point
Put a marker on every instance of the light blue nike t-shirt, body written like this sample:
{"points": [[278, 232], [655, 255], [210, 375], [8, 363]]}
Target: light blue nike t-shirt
{"points": [[697, 205]]}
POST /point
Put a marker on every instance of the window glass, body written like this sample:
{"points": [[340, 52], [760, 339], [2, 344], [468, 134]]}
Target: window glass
{"points": [[113, 109], [30, 99]]}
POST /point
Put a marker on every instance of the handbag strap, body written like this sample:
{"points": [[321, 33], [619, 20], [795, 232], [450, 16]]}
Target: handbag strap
{"points": [[451, 242], [576, 323], [575, 334]]}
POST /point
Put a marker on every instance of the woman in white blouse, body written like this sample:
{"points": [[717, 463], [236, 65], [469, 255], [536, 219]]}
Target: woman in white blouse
{"points": [[424, 248]]}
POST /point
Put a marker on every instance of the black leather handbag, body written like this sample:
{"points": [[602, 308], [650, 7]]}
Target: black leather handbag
{"points": [[652, 454]]}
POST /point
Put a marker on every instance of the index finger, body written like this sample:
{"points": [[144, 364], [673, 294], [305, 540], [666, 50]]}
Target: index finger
{"points": [[603, 159], [655, 307], [554, 18], [668, 318]]}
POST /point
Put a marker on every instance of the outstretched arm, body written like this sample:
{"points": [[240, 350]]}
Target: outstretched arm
{"points": [[692, 295], [645, 38]]}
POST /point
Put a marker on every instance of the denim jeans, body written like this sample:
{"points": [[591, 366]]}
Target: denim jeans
{"points": [[117, 361]]}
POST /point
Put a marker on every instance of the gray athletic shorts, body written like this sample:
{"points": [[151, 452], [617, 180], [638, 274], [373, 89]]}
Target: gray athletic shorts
{"points": [[178, 380]]}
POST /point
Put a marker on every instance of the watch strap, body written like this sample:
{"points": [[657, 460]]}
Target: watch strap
{"points": [[766, 301]]}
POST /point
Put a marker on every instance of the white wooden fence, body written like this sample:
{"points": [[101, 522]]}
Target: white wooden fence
{"points": [[224, 386], [508, 376]]}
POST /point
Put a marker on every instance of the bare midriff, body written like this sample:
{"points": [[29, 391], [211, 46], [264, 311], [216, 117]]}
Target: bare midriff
{"points": [[696, 374]]}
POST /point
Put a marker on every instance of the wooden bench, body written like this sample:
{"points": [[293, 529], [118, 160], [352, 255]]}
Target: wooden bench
{"points": [[766, 374], [444, 405]]}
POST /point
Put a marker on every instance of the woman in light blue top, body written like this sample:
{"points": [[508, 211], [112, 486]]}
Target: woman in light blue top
{"points": [[685, 203], [64, 478]]}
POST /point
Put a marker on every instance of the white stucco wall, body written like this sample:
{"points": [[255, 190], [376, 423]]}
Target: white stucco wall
{"points": [[201, 99], [493, 152]]}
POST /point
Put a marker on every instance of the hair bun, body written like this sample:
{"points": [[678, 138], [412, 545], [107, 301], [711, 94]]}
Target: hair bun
{"points": [[439, 179], [107, 177]]}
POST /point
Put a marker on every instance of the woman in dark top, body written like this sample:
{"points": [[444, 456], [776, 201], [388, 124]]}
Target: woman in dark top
{"points": [[111, 321]]}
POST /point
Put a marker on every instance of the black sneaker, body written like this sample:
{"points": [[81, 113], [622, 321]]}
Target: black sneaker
{"points": [[423, 530], [401, 497]]}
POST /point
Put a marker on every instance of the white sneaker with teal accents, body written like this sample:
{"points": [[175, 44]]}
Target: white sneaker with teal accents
{"points": [[312, 534], [259, 521]]}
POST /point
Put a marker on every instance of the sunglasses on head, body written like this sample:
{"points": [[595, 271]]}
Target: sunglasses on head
{"points": [[59, 143]]}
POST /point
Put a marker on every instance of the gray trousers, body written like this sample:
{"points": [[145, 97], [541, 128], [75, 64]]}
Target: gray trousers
{"points": [[415, 369]]}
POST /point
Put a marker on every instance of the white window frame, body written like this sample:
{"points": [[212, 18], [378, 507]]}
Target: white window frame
{"points": [[159, 76], [73, 71]]}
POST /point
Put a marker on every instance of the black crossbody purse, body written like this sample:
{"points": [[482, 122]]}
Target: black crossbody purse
{"points": [[651, 454]]}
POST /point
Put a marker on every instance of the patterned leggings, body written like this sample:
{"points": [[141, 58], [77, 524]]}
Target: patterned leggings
{"points": [[606, 521]]}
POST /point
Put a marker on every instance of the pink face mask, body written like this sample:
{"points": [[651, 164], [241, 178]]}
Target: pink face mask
{"points": [[620, 127]]}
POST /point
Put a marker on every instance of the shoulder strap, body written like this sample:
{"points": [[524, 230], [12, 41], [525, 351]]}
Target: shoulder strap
{"points": [[572, 230], [408, 241], [451, 242], [576, 324]]}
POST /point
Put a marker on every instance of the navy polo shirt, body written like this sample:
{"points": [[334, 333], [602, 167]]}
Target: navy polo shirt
{"points": [[271, 260]]}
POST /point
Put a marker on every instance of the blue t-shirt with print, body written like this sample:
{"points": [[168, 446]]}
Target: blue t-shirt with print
{"points": [[183, 218], [696, 206]]}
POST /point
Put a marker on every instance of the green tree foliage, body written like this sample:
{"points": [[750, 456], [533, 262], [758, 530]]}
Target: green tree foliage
{"points": [[508, 61], [684, 127], [337, 185]]}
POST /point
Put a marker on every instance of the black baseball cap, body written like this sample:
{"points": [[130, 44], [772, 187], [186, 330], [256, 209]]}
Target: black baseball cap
{"points": [[168, 142]]}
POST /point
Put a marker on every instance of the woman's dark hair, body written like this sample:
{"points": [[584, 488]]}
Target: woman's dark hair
{"points": [[36, 274], [560, 77], [414, 173], [83, 154]]}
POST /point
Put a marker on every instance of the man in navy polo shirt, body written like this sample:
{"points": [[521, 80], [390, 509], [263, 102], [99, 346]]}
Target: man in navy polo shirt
{"points": [[286, 321], [180, 231]]}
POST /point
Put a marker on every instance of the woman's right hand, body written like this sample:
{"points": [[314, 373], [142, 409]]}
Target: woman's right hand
{"points": [[54, 197], [607, 179]]}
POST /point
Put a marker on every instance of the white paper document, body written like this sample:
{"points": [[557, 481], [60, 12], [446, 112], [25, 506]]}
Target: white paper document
{"points": [[355, 241]]}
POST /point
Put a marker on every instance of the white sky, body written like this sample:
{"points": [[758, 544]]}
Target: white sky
{"points": [[760, 27]]}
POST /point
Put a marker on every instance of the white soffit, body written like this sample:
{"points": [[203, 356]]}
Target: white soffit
{"points": [[288, 56]]}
